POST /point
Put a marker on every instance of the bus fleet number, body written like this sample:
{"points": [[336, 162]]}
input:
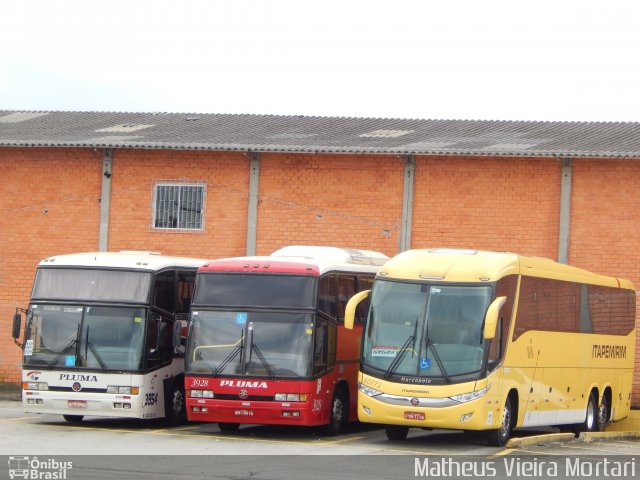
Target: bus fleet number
{"points": [[150, 399]]}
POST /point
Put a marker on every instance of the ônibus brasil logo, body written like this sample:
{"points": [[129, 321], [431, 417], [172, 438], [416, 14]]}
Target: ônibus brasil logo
{"points": [[36, 469]]}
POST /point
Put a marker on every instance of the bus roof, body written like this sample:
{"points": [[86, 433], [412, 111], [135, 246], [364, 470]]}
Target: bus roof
{"points": [[458, 265], [125, 259], [302, 260]]}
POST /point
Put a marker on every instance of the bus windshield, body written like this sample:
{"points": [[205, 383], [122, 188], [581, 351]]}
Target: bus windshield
{"points": [[239, 289], [76, 336], [425, 330], [257, 344]]}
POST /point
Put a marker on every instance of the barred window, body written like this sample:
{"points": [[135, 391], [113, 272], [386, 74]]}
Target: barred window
{"points": [[178, 206]]}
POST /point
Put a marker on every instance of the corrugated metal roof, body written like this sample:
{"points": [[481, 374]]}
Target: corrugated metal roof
{"points": [[292, 133]]}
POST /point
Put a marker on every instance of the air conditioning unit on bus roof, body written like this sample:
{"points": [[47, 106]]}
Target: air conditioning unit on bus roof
{"points": [[139, 252], [332, 254]]}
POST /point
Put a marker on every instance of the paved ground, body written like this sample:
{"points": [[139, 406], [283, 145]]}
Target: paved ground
{"points": [[112, 448]]}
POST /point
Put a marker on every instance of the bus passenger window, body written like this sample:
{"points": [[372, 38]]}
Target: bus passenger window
{"points": [[327, 295], [346, 290], [184, 287]]}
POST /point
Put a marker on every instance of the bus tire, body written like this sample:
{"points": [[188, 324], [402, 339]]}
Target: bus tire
{"points": [[396, 432], [73, 418], [591, 415], [500, 436], [227, 427], [602, 417], [337, 415], [175, 408]]}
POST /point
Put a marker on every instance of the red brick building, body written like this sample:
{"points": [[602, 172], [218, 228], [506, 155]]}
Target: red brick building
{"points": [[74, 181]]}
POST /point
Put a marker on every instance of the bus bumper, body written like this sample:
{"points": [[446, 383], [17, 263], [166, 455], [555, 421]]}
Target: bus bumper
{"points": [[253, 412], [473, 415], [85, 404]]}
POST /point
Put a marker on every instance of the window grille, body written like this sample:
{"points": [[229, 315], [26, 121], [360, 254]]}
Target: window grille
{"points": [[178, 206]]}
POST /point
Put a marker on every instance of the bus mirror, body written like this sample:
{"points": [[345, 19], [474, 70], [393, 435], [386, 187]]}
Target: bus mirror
{"points": [[17, 321], [350, 310], [491, 318]]}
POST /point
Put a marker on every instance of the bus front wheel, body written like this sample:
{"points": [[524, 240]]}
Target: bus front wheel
{"points": [[73, 418], [500, 436], [396, 432], [337, 415]]}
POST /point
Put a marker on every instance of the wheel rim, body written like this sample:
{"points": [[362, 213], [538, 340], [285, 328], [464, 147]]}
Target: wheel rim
{"points": [[591, 415]]}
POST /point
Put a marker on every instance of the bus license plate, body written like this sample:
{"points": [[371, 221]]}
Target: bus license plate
{"points": [[244, 413], [414, 416], [77, 403]]}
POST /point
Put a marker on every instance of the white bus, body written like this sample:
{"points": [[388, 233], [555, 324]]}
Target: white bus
{"points": [[104, 335]]}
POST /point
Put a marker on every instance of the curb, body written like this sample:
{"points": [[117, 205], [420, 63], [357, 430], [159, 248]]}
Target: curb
{"points": [[539, 439], [591, 436]]}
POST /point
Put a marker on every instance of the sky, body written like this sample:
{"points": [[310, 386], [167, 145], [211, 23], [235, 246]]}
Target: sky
{"points": [[560, 60]]}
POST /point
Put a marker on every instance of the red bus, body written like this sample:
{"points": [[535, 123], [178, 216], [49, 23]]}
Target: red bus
{"points": [[267, 344]]}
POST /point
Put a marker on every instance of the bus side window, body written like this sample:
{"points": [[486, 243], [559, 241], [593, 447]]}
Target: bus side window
{"points": [[327, 295], [320, 348], [506, 287], [346, 290], [163, 292], [159, 340], [364, 283], [184, 292]]}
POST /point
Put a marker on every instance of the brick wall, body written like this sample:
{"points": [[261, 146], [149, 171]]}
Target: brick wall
{"points": [[500, 204], [605, 225], [337, 200], [49, 204]]}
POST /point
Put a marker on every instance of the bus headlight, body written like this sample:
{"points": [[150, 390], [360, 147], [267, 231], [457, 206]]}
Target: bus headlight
{"points": [[201, 393], [371, 392], [115, 389], [290, 397], [468, 397], [35, 386]]}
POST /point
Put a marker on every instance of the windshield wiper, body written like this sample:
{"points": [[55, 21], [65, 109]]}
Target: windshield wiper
{"points": [[89, 345], [72, 343], [398, 359], [66, 349], [437, 357], [252, 347], [232, 354]]}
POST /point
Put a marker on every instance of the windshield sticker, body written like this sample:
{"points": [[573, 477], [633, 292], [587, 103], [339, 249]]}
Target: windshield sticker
{"points": [[28, 348], [309, 331], [425, 363], [437, 290], [70, 361], [137, 319], [241, 318], [382, 351]]}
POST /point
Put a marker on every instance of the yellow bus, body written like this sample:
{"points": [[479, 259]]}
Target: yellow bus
{"points": [[472, 340]]}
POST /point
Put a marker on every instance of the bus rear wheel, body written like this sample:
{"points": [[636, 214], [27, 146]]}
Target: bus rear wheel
{"points": [[396, 432], [175, 408], [500, 436], [73, 418]]}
